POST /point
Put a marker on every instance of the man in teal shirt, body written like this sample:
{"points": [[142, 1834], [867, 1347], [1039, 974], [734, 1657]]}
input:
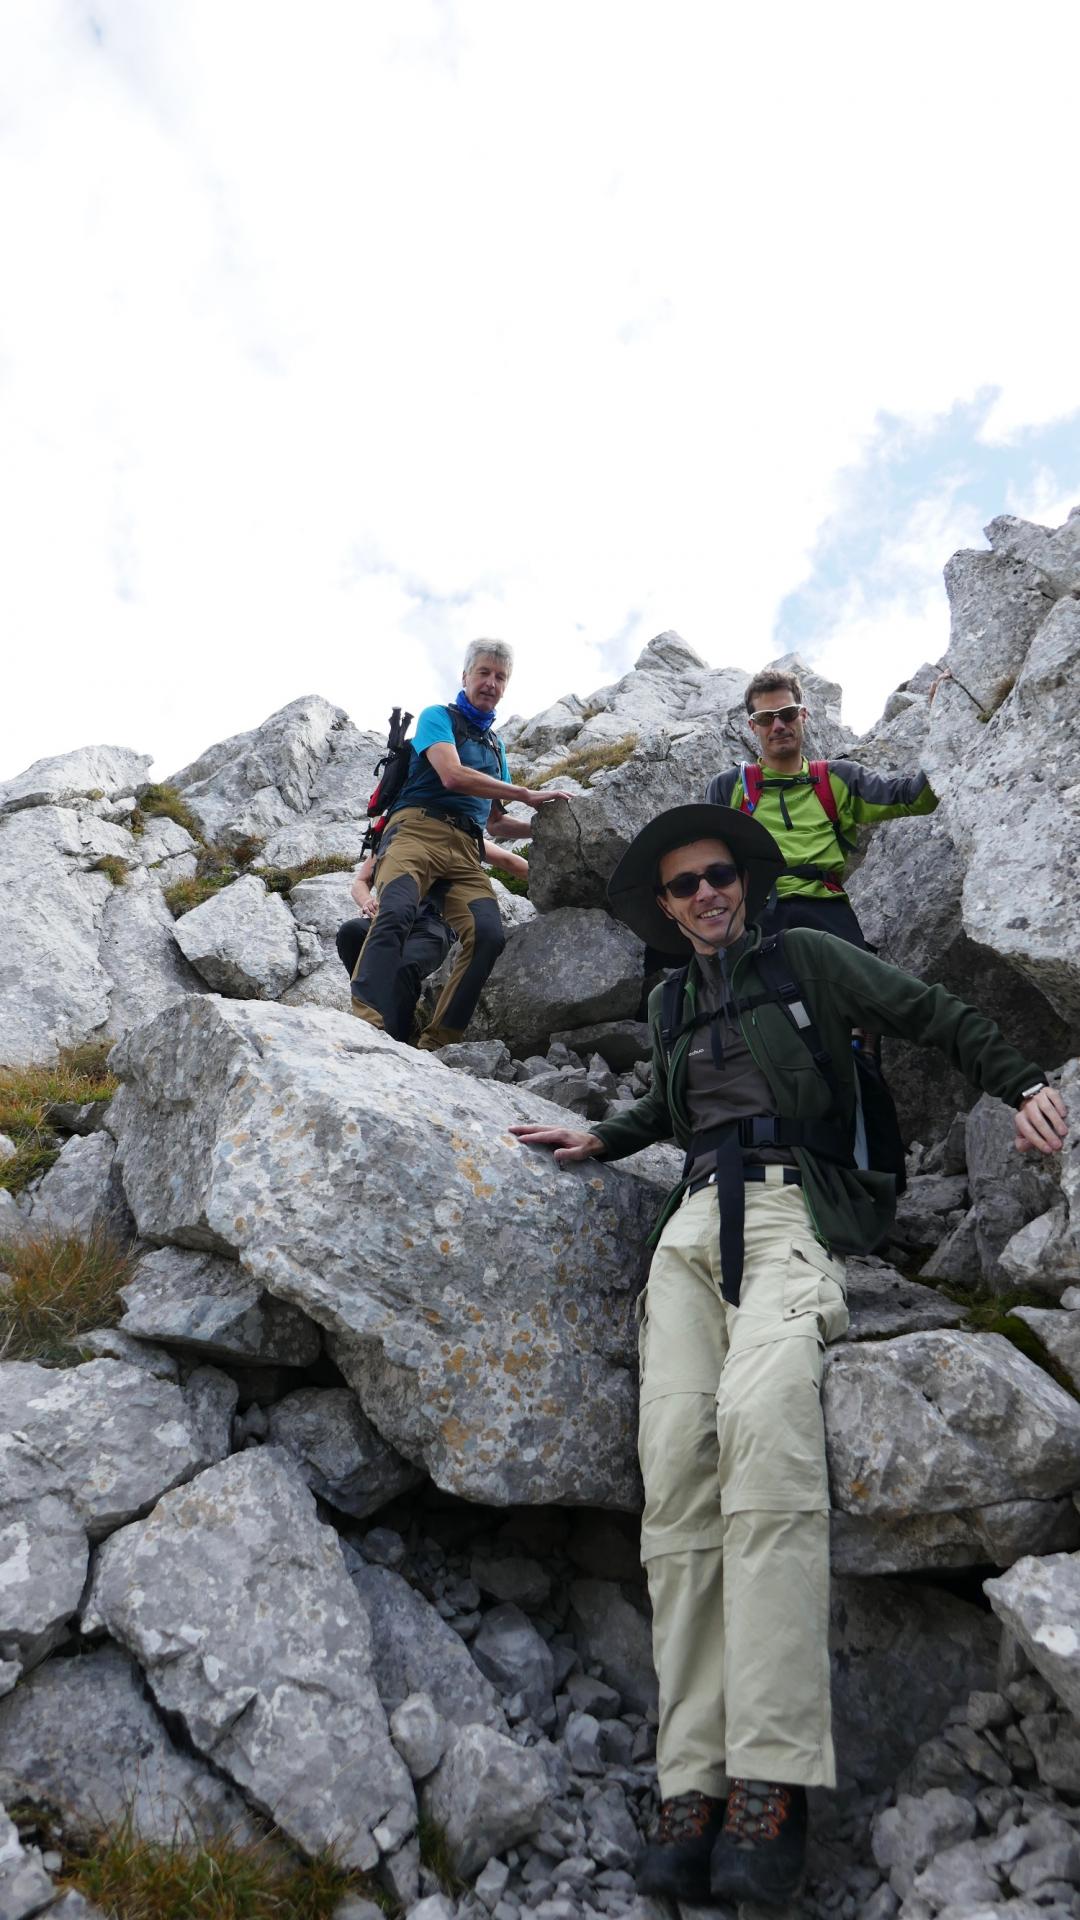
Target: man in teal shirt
{"points": [[455, 790]]}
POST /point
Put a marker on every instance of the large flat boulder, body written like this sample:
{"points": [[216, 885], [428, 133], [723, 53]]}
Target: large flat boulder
{"points": [[944, 1421], [235, 1601], [477, 1299], [561, 969], [98, 773], [241, 941]]}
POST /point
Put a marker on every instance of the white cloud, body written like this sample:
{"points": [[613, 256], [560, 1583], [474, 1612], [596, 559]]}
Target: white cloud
{"points": [[333, 336]]}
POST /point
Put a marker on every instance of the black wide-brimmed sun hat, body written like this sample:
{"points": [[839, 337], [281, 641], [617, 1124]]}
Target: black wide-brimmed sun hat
{"points": [[632, 887]]}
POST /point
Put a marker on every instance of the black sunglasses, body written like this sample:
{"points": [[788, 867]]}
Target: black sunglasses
{"points": [[720, 873]]}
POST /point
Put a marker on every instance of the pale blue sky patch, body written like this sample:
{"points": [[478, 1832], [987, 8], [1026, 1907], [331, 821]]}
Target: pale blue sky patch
{"points": [[922, 490]]}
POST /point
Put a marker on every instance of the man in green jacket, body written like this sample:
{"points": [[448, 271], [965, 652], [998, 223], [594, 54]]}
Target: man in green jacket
{"points": [[812, 809], [745, 1290]]}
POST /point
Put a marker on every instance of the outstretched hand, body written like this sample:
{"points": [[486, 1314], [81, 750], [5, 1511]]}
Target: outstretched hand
{"points": [[537, 797], [1042, 1123], [568, 1145]]}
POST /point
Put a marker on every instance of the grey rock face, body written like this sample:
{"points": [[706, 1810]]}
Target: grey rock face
{"points": [[1039, 1601], [486, 1794], [1042, 1256], [614, 1636], [1059, 1333], [565, 968], [242, 941], [622, 1043], [414, 1651], [337, 1450], [1007, 1190], [79, 1734], [942, 1422], [906, 1837], [516, 1659], [89, 772], [137, 950], [1019, 864], [258, 1641], [54, 991], [419, 1734], [485, 1297], [305, 760], [882, 1301], [81, 1451], [484, 1059], [208, 1304], [923, 1541], [902, 1655], [79, 1192]]}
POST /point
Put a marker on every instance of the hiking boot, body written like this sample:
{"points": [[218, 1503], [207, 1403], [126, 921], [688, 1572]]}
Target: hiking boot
{"points": [[762, 1851], [675, 1864]]}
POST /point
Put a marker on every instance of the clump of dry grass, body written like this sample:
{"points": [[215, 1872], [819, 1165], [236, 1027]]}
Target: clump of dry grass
{"points": [[284, 879], [58, 1286], [111, 864], [161, 801], [582, 763], [212, 1879], [27, 1097]]}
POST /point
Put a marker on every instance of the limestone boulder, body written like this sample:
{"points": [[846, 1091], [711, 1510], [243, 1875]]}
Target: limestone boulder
{"points": [[902, 1655], [414, 1651], [338, 1451], [305, 762], [235, 1601], [1038, 1600], [486, 1794], [81, 1191], [80, 1735], [82, 1450], [1059, 1333], [213, 1307], [943, 1422], [477, 1301], [137, 947], [90, 773], [993, 1535], [882, 1301], [565, 968], [242, 941], [1013, 805]]}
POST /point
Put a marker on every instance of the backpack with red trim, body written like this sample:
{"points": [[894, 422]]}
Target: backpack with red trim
{"points": [[391, 769], [816, 776]]}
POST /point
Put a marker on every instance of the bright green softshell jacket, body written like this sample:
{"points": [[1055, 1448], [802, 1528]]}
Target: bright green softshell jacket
{"points": [[843, 986], [862, 797]]}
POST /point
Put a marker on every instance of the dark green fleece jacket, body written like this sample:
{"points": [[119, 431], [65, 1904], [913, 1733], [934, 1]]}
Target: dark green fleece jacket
{"points": [[843, 986]]}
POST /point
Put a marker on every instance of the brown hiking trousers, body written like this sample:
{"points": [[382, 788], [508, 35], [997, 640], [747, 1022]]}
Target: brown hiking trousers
{"points": [[419, 848]]}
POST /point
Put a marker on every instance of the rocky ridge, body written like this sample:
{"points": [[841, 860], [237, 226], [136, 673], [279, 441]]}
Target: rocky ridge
{"points": [[373, 1386]]}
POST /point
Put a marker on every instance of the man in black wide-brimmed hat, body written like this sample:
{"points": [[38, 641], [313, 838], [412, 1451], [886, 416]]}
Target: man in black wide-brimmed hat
{"points": [[745, 1290]]}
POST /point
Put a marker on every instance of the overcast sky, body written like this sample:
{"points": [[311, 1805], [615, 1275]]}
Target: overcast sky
{"points": [[335, 334]]}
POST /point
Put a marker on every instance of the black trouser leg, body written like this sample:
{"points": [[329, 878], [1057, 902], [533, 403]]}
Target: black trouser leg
{"points": [[375, 981], [349, 939], [425, 949]]}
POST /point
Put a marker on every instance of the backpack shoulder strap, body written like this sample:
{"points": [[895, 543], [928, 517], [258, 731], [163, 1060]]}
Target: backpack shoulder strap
{"points": [[775, 968], [822, 785], [752, 784], [671, 999]]}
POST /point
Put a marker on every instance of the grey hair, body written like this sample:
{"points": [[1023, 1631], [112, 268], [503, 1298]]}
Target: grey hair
{"points": [[496, 650]]}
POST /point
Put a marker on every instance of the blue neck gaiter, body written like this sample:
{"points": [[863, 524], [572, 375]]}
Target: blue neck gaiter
{"points": [[473, 714]]}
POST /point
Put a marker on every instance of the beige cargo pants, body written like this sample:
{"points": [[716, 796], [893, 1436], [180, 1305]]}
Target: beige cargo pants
{"points": [[735, 1535]]}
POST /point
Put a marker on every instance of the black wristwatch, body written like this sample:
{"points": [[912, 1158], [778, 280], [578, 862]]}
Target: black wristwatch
{"points": [[1036, 1087]]}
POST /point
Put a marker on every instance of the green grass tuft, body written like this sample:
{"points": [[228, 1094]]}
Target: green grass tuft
{"points": [[513, 882], [996, 1315], [582, 763], [160, 802], [27, 1095], [436, 1856], [111, 864], [58, 1286], [211, 1879]]}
